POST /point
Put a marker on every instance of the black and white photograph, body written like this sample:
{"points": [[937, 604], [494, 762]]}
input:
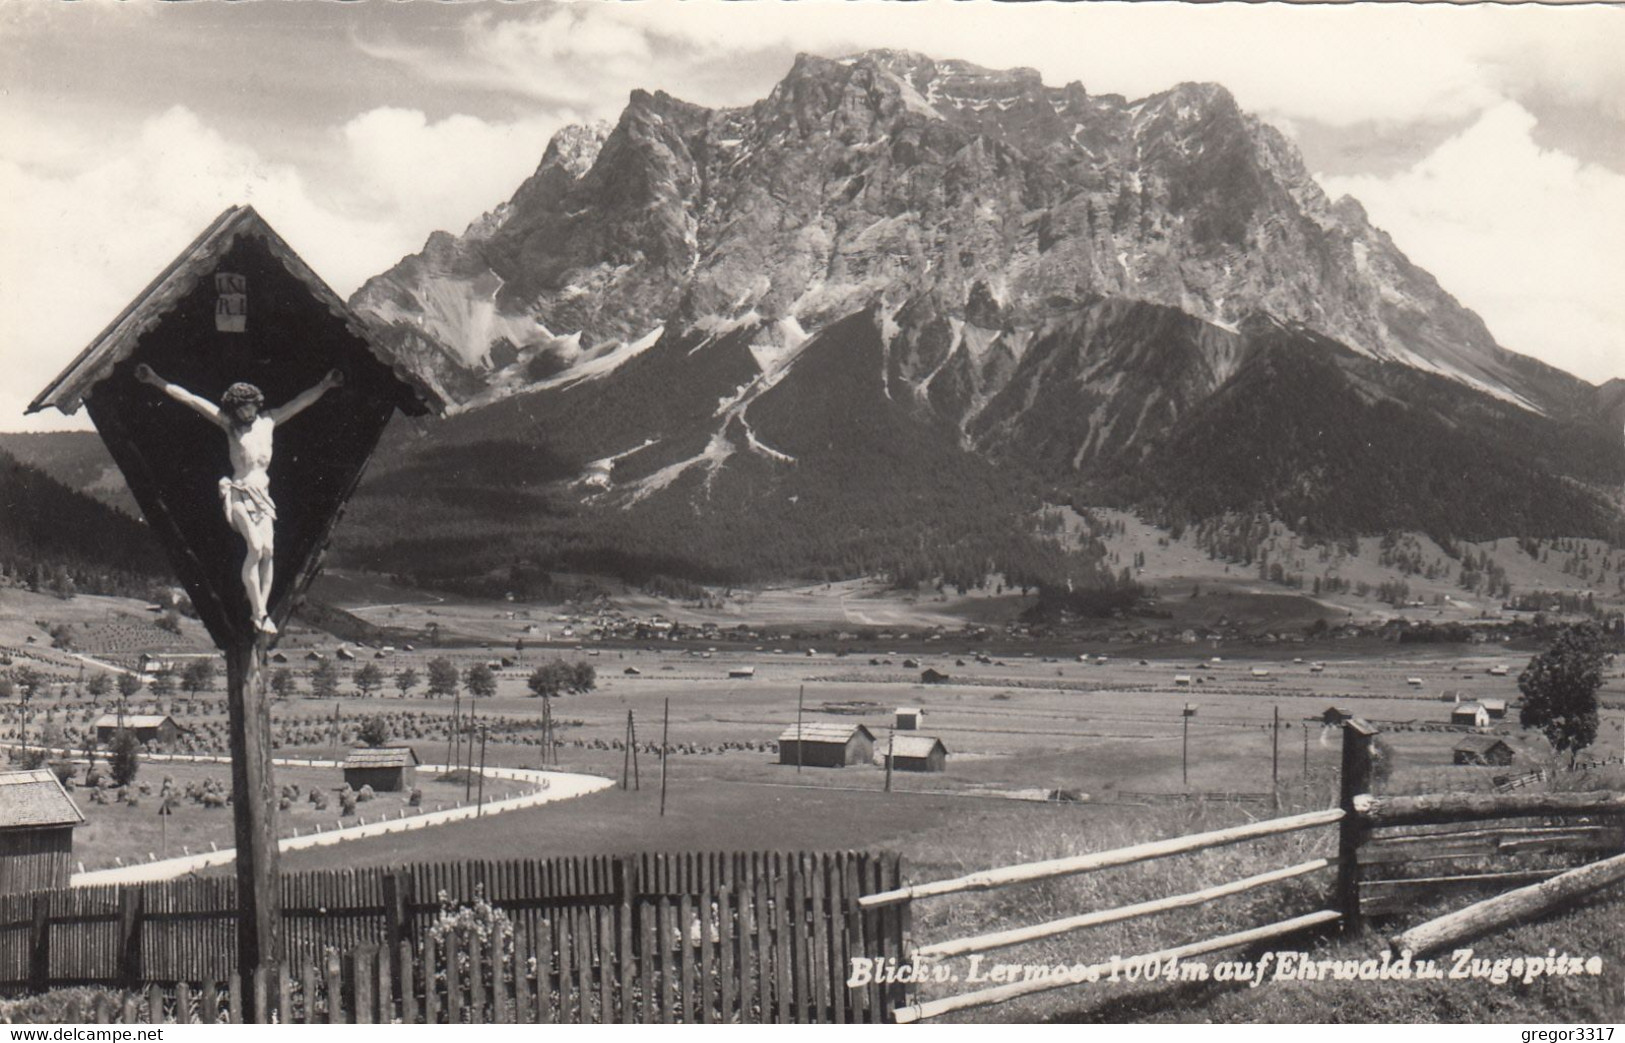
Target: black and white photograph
{"points": [[537, 513]]}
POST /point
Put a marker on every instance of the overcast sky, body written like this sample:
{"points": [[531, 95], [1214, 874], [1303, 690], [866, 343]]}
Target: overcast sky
{"points": [[1488, 140]]}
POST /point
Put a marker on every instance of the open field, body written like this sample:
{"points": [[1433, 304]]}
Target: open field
{"points": [[121, 832], [1015, 728], [1022, 721]]}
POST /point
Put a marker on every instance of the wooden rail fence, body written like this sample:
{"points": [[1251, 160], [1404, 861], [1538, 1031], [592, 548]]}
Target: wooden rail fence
{"points": [[750, 937], [1374, 834]]}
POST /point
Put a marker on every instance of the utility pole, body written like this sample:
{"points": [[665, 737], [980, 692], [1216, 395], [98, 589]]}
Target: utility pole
{"points": [[1275, 750], [1185, 749], [632, 727], [626, 753], [891, 749], [451, 736], [801, 742], [468, 770], [665, 732], [485, 733]]}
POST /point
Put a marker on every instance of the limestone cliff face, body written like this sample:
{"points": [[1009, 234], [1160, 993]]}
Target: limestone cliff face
{"points": [[888, 179]]}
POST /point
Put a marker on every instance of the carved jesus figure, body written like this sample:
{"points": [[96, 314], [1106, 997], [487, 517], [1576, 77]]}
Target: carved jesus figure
{"points": [[246, 495]]}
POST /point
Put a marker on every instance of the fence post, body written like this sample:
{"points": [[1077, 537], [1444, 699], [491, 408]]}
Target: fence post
{"points": [[1355, 779], [129, 936], [39, 965], [626, 890], [397, 920]]}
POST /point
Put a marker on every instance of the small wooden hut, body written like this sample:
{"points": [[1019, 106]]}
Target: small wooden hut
{"points": [[826, 744], [37, 819], [918, 753], [146, 727], [387, 769]]}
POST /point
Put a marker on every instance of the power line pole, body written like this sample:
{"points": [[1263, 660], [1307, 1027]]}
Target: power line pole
{"points": [[468, 770], [1185, 749], [1275, 749], [665, 732], [632, 728], [626, 754], [891, 749], [485, 733], [451, 735], [801, 741]]}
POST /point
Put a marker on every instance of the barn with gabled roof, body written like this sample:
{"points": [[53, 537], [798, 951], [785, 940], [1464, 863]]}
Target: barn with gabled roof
{"points": [[387, 769], [146, 727], [37, 819], [826, 744], [918, 753]]}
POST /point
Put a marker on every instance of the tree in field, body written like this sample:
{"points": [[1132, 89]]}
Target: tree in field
{"points": [[324, 680], [443, 677], [374, 731], [198, 676], [283, 683], [28, 681], [7, 689], [128, 685], [547, 680], [1559, 689], [369, 679], [98, 685], [557, 677], [406, 680], [125, 760], [480, 681], [163, 683]]}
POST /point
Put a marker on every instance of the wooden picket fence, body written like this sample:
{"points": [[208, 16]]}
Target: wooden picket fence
{"points": [[748, 937], [1372, 832]]}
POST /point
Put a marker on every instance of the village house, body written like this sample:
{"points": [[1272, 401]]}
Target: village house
{"points": [[37, 819], [826, 744], [908, 718], [146, 727], [918, 753], [1471, 715], [387, 769]]}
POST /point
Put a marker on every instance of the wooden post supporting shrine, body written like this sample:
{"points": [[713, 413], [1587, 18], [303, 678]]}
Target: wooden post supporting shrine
{"points": [[259, 886], [238, 334]]}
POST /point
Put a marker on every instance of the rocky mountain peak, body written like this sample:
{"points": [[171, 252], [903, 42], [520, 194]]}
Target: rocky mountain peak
{"points": [[574, 149], [887, 176]]}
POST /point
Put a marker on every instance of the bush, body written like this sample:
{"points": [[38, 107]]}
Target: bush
{"points": [[365, 794], [54, 1007], [415, 798], [374, 731]]}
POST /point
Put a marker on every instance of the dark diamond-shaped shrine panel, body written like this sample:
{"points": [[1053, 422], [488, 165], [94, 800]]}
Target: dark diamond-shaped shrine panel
{"points": [[173, 458]]}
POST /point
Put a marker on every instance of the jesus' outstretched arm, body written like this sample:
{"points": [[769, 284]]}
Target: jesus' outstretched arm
{"points": [[300, 402], [145, 374]]}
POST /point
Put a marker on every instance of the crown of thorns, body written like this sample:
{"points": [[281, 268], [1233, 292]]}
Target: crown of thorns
{"points": [[242, 395]]}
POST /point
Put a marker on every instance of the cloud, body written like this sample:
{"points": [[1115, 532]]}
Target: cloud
{"points": [[83, 238], [1531, 239], [419, 174]]}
